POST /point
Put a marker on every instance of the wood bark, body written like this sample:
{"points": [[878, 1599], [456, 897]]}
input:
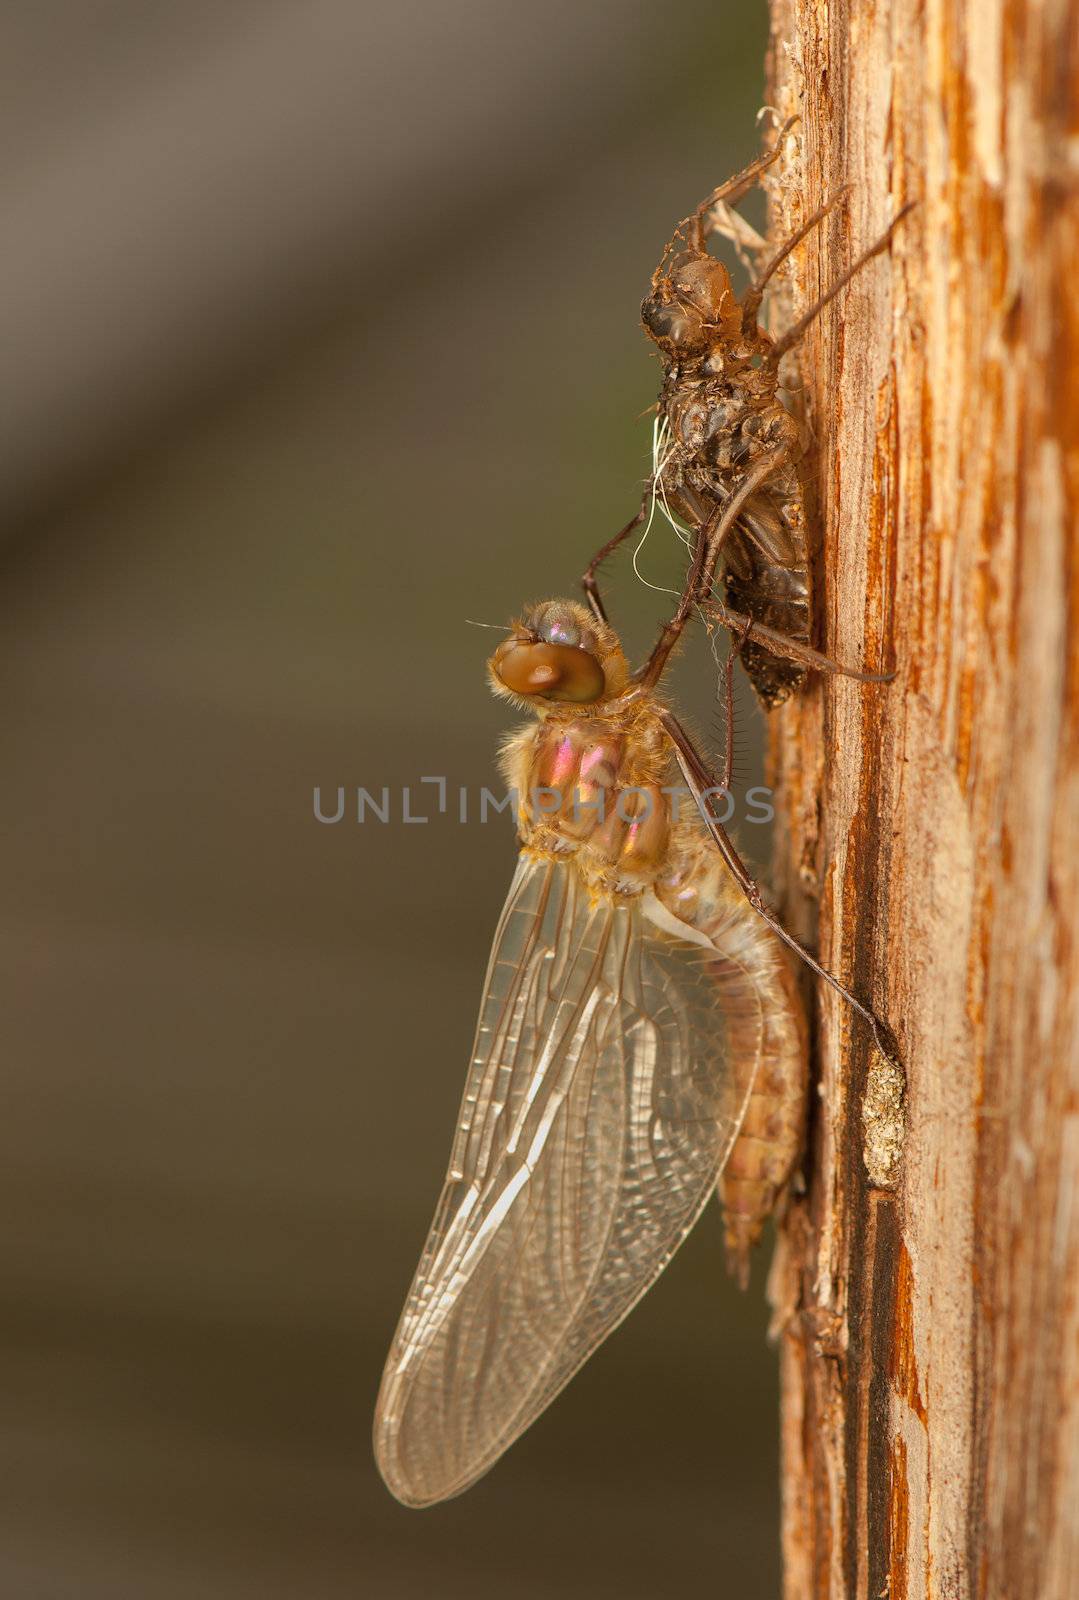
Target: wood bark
{"points": [[928, 1281]]}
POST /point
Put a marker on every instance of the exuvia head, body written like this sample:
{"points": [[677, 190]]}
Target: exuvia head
{"points": [[691, 306], [557, 651]]}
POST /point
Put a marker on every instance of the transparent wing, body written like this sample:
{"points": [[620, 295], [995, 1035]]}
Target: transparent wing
{"points": [[600, 1106]]}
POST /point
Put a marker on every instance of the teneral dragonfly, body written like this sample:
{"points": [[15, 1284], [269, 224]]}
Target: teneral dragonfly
{"points": [[640, 1041]]}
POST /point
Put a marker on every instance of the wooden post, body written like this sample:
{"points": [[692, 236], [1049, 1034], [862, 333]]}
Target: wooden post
{"points": [[929, 1279]]}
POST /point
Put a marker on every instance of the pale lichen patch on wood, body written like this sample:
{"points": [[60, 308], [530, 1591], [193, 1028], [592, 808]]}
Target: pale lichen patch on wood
{"points": [[883, 1121]]}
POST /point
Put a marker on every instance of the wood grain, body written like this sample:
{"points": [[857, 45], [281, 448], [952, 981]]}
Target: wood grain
{"points": [[929, 1280]]}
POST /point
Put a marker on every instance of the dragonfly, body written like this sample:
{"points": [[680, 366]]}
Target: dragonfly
{"points": [[641, 1042], [725, 440]]}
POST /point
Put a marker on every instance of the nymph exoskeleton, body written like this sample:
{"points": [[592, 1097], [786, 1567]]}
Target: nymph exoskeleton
{"points": [[640, 1040], [731, 450]]}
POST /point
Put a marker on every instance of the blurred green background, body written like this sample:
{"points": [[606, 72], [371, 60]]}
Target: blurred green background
{"points": [[322, 337]]}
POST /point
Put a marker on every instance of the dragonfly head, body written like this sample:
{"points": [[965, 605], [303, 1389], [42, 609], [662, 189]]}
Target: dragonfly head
{"points": [[691, 306], [558, 651]]}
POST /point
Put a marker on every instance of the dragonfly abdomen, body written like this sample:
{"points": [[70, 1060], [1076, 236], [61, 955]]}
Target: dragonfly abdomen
{"points": [[766, 1151], [763, 1016]]}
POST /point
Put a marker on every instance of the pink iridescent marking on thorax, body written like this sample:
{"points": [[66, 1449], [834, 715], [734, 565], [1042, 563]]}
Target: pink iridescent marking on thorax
{"points": [[561, 766]]}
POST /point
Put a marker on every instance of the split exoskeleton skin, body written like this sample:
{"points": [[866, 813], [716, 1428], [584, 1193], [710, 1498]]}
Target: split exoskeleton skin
{"points": [[723, 415], [727, 452], [640, 1042]]}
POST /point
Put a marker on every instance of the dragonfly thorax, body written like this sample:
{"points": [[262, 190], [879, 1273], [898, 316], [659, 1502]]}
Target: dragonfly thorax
{"points": [[596, 788]]}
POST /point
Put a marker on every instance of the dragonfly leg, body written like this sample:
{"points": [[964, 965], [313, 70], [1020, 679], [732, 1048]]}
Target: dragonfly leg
{"points": [[708, 545], [728, 703], [780, 644], [647, 676], [731, 191], [793, 335], [751, 302], [700, 782], [588, 582]]}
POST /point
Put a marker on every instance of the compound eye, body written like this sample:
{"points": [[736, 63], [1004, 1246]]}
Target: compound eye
{"points": [[549, 671], [680, 327], [555, 623], [559, 631]]}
